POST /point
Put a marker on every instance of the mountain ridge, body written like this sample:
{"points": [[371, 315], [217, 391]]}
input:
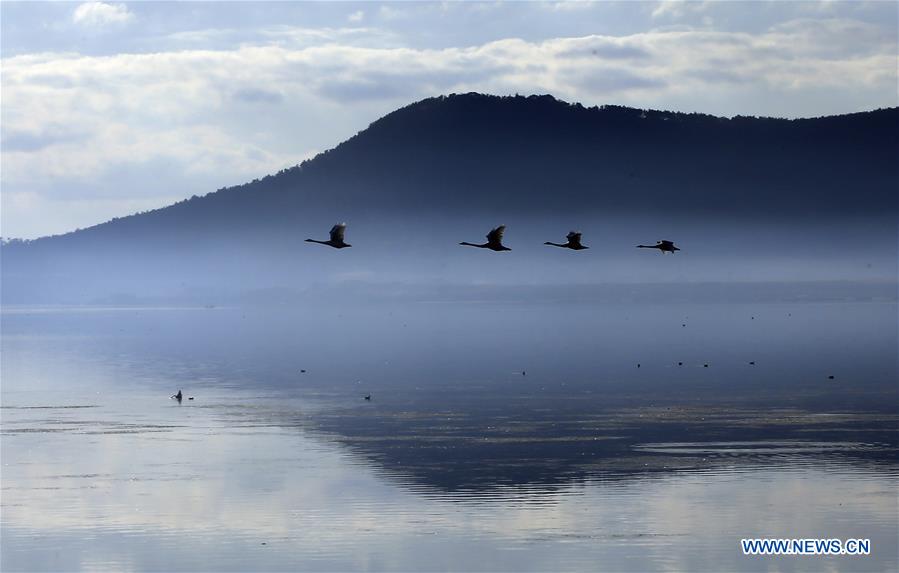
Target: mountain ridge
{"points": [[439, 124]]}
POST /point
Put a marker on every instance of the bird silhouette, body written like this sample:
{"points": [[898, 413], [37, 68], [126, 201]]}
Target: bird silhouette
{"points": [[336, 239], [178, 396], [574, 242], [494, 240], [663, 246]]}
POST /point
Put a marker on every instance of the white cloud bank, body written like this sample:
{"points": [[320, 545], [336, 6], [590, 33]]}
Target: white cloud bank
{"points": [[182, 122], [101, 14]]}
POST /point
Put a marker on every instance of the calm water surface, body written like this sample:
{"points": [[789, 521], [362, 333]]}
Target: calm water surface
{"points": [[498, 437]]}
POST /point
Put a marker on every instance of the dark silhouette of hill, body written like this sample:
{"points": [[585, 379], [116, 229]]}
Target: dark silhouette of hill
{"points": [[478, 155], [473, 151]]}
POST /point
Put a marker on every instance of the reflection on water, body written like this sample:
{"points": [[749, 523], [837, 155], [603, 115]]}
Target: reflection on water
{"points": [[459, 461]]}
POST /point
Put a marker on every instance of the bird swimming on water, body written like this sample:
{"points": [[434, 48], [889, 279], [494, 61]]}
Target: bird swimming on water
{"points": [[574, 242], [663, 246], [494, 240], [336, 239], [178, 396]]}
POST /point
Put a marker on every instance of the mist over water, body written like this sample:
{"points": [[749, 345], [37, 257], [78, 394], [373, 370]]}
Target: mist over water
{"points": [[418, 257]]}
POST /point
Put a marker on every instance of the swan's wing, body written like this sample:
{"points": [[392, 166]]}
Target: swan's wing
{"points": [[666, 243], [574, 237], [337, 232], [496, 235]]}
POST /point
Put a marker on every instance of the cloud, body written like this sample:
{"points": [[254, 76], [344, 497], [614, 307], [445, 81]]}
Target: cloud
{"points": [[390, 13], [677, 9], [356, 17], [569, 5], [28, 141], [297, 37], [293, 37], [101, 14], [360, 74], [607, 48], [258, 95], [614, 80], [832, 38]]}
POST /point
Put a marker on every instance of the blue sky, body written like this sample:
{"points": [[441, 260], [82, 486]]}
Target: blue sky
{"points": [[112, 108]]}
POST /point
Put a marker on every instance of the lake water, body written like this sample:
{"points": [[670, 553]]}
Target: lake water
{"points": [[498, 437]]}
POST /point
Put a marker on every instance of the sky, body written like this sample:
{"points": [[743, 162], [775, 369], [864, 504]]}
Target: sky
{"points": [[107, 109]]}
